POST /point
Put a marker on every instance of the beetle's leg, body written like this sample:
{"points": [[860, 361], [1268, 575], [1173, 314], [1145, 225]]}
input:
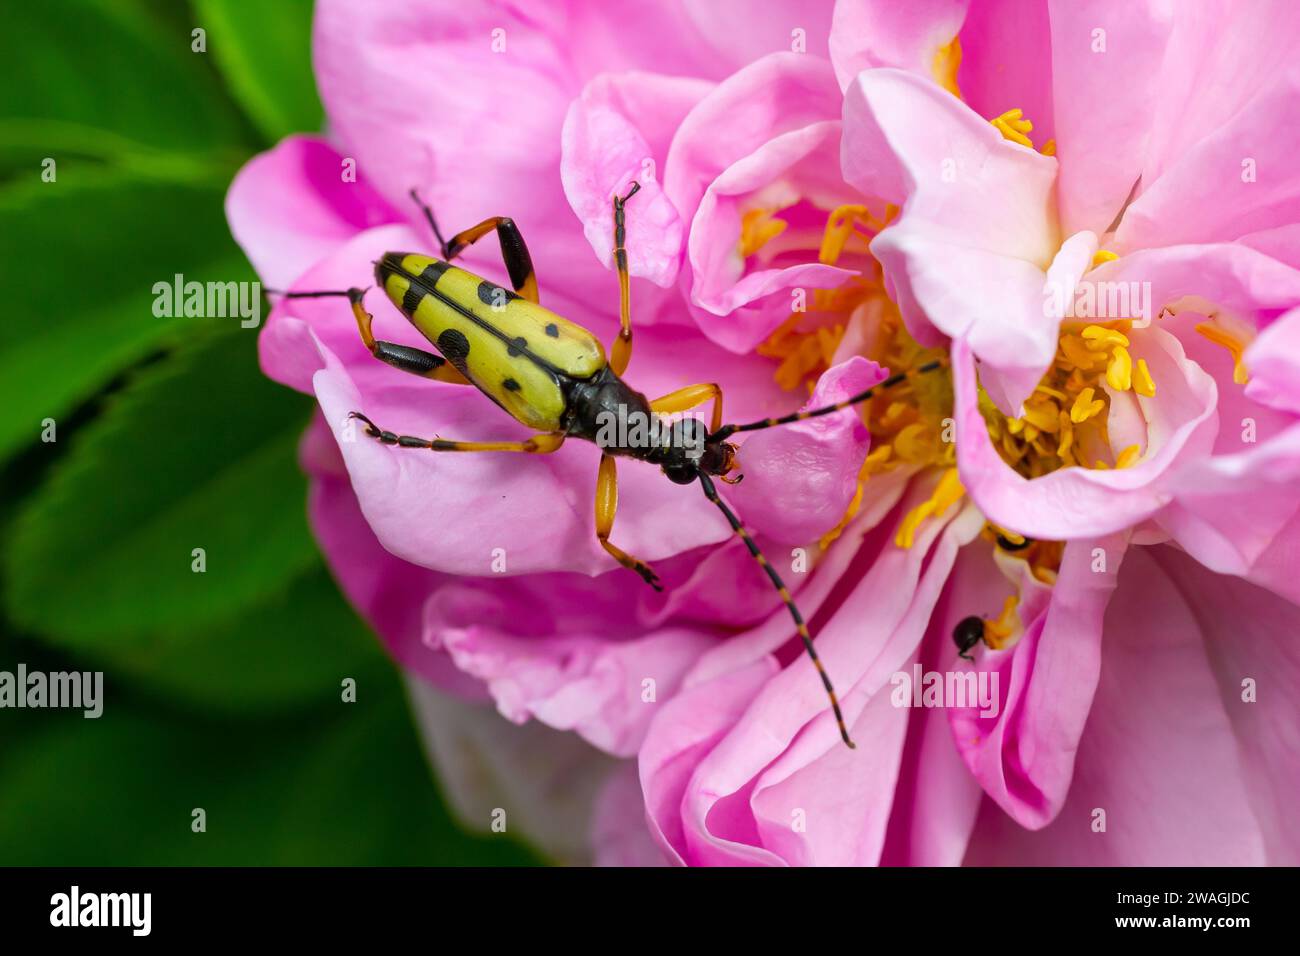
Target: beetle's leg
{"points": [[606, 506], [692, 396], [404, 357], [542, 444], [519, 264], [621, 353]]}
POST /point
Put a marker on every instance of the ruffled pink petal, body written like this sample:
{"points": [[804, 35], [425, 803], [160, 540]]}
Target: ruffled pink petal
{"points": [[752, 302], [556, 650], [1209, 73], [445, 128], [1007, 62], [800, 478], [1023, 754], [737, 757], [291, 206], [1182, 768], [1107, 83], [969, 254], [388, 592], [777, 94], [617, 132], [1274, 363], [1238, 179], [875, 33]]}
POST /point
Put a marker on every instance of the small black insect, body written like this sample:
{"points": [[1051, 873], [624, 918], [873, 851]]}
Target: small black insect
{"points": [[968, 632]]}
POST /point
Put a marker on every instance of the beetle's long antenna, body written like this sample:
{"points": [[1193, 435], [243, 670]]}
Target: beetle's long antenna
{"points": [[727, 430], [711, 493]]}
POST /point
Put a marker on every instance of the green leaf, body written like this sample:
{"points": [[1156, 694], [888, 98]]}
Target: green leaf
{"points": [[199, 452], [116, 66], [346, 785], [264, 52], [84, 255], [289, 651]]}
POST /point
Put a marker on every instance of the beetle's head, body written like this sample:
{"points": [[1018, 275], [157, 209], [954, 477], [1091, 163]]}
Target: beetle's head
{"points": [[693, 451]]}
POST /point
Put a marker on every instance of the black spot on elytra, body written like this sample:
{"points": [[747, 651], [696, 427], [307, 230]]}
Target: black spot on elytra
{"points": [[433, 272], [511, 385], [489, 293], [552, 330], [411, 299], [455, 347], [516, 346]]}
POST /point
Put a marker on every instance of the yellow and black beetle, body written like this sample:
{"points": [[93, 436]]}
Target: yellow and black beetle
{"points": [[552, 375]]}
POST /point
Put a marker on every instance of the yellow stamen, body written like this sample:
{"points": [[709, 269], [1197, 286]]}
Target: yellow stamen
{"points": [[1084, 407], [1098, 337], [1013, 126], [1119, 373], [1128, 456], [997, 632], [947, 492], [1230, 342], [757, 228], [1103, 255], [1049, 148], [1143, 383]]}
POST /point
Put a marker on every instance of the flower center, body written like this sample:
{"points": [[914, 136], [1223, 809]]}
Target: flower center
{"points": [[1064, 421]]}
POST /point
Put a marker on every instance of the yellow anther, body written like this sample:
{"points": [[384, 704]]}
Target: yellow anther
{"points": [[1098, 337], [997, 632], [1047, 390], [757, 228], [1066, 443], [1220, 337], [1085, 407], [1042, 417], [839, 227], [1103, 255], [1013, 127], [946, 61], [915, 443], [1143, 383], [906, 535], [1076, 354], [1128, 456], [947, 492], [1049, 148], [1009, 535], [1015, 425], [1119, 373]]}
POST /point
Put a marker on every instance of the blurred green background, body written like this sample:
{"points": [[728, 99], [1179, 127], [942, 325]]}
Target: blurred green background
{"points": [[222, 689]]}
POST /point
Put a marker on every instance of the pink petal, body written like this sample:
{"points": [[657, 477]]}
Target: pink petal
{"points": [[1024, 755], [291, 206], [1107, 84], [800, 478], [617, 132], [1164, 753], [875, 33], [1207, 194]]}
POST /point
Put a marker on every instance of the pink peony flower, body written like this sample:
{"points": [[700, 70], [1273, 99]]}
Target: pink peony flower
{"points": [[831, 194]]}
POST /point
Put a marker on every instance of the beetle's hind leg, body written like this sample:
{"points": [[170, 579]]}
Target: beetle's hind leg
{"points": [[542, 444], [404, 357], [514, 251], [606, 507]]}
